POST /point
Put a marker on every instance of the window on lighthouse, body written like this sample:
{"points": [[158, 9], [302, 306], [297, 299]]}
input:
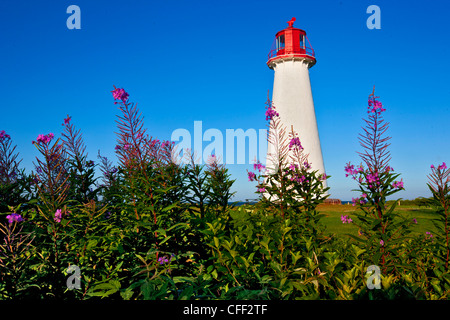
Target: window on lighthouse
{"points": [[302, 42], [280, 42]]}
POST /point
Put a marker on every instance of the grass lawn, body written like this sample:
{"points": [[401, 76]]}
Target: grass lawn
{"points": [[334, 225]]}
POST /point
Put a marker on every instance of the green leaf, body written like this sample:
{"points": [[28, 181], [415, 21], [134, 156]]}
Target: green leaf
{"points": [[359, 239], [91, 243], [187, 293], [105, 289], [165, 240], [127, 294]]}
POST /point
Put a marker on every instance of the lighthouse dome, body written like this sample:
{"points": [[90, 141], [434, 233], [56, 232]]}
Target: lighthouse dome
{"points": [[291, 43]]}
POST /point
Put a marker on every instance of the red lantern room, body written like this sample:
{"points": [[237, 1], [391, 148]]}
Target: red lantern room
{"points": [[291, 42]]}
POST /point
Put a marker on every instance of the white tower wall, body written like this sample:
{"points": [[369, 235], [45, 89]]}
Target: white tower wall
{"points": [[292, 99]]}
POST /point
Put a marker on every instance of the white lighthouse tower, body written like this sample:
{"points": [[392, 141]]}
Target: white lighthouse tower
{"points": [[292, 96]]}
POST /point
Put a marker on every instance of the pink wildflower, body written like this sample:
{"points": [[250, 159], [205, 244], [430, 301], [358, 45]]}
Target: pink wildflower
{"points": [[58, 216], [306, 164], [45, 139], [350, 169], [251, 176], [14, 217], [375, 106], [67, 120], [372, 177], [120, 94], [270, 113], [258, 166], [3, 135], [295, 142], [363, 199], [398, 184], [346, 219]]}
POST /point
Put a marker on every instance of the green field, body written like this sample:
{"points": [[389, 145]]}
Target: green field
{"points": [[333, 213]]}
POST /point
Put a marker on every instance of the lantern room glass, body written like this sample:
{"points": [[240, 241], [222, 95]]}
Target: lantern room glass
{"points": [[302, 42], [280, 42]]}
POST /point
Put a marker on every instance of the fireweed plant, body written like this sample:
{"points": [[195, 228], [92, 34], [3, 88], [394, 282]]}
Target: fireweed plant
{"points": [[381, 230], [439, 181], [288, 183], [51, 177], [15, 186], [14, 254], [219, 182], [150, 180], [149, 168], [290, 191], [81, 173], [153, 227], [65, 219], [9, 166]]}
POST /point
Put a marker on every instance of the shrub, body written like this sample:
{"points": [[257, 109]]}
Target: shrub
{"points": [[152, 228]]}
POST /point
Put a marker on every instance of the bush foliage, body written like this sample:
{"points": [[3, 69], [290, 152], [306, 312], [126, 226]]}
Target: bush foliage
{"points": [[155, 227]]}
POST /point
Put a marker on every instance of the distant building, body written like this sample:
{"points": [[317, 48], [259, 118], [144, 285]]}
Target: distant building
{"points": [[333, 201]]}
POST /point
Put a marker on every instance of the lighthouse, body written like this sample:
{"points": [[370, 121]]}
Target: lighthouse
{"points": [[291, 58]]}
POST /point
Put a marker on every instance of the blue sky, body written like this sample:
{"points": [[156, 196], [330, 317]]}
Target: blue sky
{"points": [[185, 61]]}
